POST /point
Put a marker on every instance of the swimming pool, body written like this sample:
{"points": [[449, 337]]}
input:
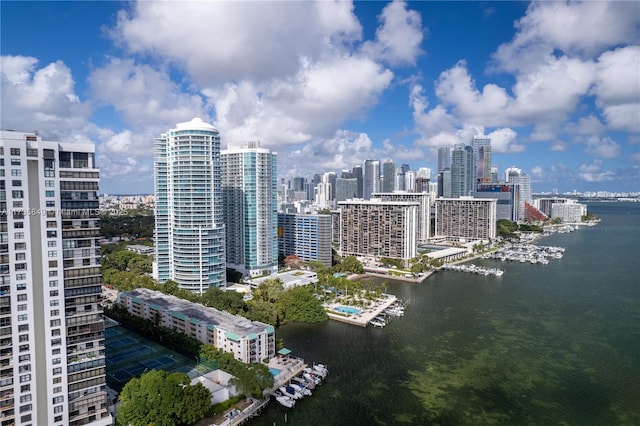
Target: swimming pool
{"points": [[274, 371], [347, 310]]}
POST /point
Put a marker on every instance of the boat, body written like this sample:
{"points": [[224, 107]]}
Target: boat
{"points": [[302, 389], [290, 392], [321, 370], [284, 400], [309, 384], [312, 378], [377, 323]]}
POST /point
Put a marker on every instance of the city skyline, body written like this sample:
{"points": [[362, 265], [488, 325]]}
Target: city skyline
{"points": [[554, 85]]}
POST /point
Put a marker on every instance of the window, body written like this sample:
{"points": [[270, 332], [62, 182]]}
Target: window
{"points": [[58, 409], [15, 151], [54, 313], [24, 358], [48, 194], [20, 246], [49, 183], [24, 348], [54, 323], [22, 298], [16, 182], [25, 368], [54, 302], [25, 398], [53, 283], [15, 162], [25, 408], [23, 327], [55, 332], [18, 225], [51, 203], [17, 194], [22, 307], [16, 172], [21, 276], [56, 361], [57, 370], [25, 388], [21, 286], [51, 253], [21, 266], [53, 293], [17, 204], [25, 378], [23, 317], [52, 234], [52, 224], [21, 256], [52, 243], [58, 400], [18, 235], [53, 273], [53, 264]]}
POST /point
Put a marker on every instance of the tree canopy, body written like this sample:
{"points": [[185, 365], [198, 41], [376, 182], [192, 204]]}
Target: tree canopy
{"points": [[160, 398]]}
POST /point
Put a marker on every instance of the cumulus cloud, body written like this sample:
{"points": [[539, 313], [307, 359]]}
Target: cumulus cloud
{"points": [[144, 96], [559, 146], [569, 27], [399, 36], [594, 172], [311, 105], [42, 99], [231, 41], [603, 147]]}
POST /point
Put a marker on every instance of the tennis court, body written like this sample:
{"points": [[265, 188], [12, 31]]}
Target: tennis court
{"points": [[129, 355]]}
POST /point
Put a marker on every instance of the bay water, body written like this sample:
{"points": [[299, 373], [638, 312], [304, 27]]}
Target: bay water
{"points": [[541, 345]]}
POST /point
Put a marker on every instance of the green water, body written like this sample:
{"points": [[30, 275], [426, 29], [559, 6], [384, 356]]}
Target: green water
{"points": [[555, 344]]}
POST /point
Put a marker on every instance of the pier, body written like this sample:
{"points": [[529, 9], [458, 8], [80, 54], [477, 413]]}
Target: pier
{"points": [[364, 315]]}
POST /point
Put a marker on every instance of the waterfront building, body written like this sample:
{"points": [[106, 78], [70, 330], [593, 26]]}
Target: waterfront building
{"points": [[371, 178], [306, 236], [189, 233], [249, 184], [423, 199], [289, 279], [466, 218], [379, 228], [545, 205], [570, 212], [52, 353], [248, 341]]}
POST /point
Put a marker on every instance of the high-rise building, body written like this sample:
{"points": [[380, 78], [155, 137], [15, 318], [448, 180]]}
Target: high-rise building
{"points": [[346, 188], [52, 353], [307, 236], [482, 159], [189, 229], [462, 176], [379, 228], [466, 218], [423, 199], [444, 158], [356, 172], [249, 184], [388, 176], [371, 178]]}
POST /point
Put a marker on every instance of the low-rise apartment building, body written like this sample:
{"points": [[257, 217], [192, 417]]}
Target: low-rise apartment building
{"points": [[248, 341]]}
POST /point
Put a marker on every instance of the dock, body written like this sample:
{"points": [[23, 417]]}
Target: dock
{"points": [[365, 315]]}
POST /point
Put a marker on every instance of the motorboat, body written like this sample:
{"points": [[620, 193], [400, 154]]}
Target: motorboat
{"points": [[284, 400]]}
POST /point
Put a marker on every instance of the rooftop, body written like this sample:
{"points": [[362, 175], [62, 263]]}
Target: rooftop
{"points": [[203, 315]]}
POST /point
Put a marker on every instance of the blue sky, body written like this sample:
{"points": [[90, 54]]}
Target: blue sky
{"points": [[327, 85]]}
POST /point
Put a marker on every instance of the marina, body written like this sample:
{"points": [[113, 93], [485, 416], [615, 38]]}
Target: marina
{"points": [[474, 269], [363, 316], [526, 253]]}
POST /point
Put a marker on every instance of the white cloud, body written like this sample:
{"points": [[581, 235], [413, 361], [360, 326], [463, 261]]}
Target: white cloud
{"points": [[603, 147], [144, 96], [311, 105], [575, 28], [42, 99], [216, 42], [504, 140], [594, 173], [399, 36], [559, 146], [587, 125]]}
